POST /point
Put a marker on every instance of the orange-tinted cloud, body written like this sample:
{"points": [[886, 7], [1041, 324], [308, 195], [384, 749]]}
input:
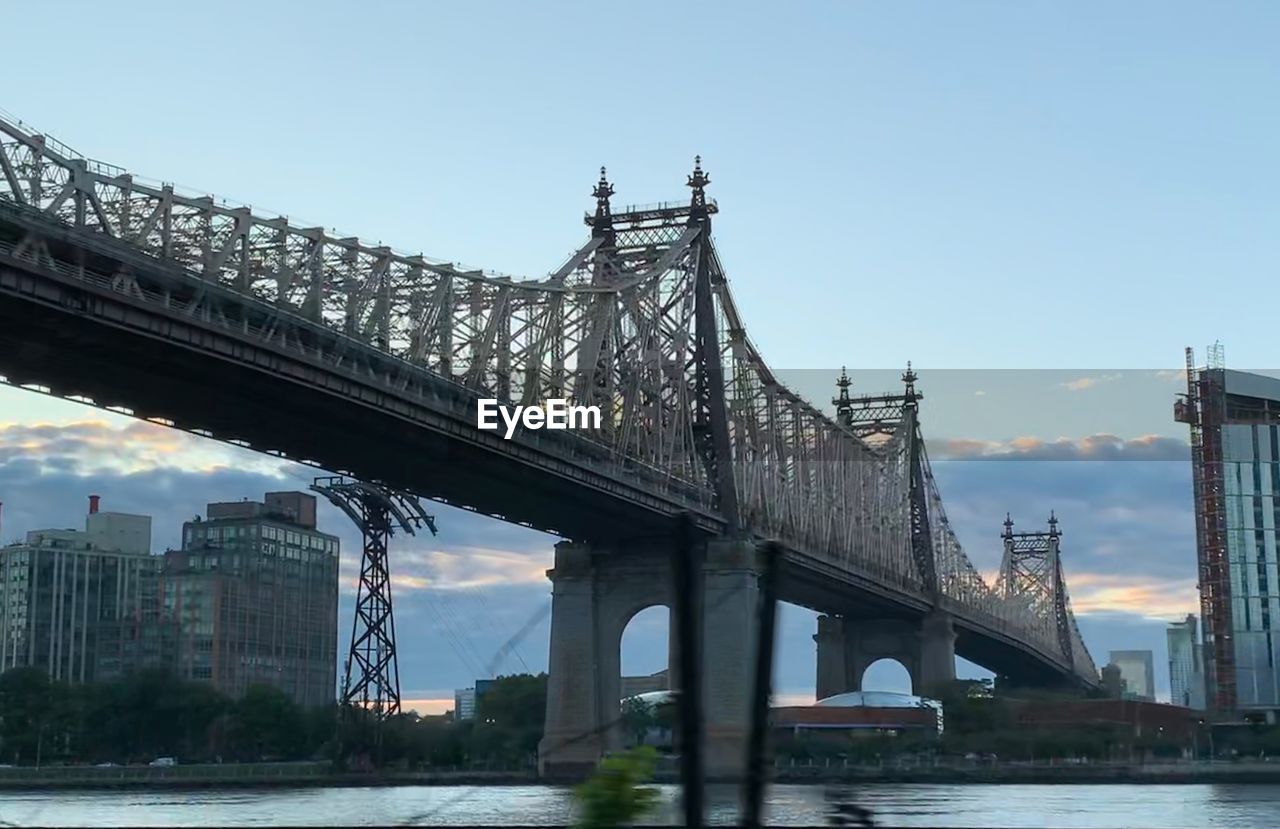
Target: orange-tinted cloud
{"points": [[96, 446], [1137, 594], [429, 706], [1098, 447]]}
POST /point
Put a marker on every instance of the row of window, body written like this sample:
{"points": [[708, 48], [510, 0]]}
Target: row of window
{"points": [[195, 535]]}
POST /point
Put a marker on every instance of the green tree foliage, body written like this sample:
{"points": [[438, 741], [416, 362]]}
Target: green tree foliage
{"points": [[638, 717], [267, 725], [30, 711], [143, 716], [509, 721], [615, 794], [155, 714]]}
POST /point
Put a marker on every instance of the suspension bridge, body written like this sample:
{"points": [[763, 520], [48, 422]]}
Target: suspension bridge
{"points": [[206, 316]]}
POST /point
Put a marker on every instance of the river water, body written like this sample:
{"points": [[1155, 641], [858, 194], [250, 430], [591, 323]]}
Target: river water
{"points": [[1239, 806]]}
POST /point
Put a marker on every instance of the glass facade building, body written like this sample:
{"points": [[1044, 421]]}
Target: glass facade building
{"points": [[1137, 669], [1186, 664], [1235, 436], [1251, 474]]}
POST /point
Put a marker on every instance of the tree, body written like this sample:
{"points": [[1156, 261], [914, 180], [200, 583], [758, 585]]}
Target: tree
{"points": [[614, 796], [638, 717], [28, 705], [509, 719], [268, 725]]}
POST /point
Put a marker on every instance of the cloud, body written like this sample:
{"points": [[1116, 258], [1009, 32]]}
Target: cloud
{"points": [[1099, 447], [93, 446], [459, 597], [1129, 545], [1136, 594], [1082, 383], [427, 706]]}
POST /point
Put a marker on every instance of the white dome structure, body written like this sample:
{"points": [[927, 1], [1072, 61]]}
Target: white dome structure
{"points": [[653, 698], [881, 699], [874, 699]]}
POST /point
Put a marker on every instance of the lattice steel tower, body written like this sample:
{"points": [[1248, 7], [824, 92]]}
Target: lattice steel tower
{"points": [[372, 676], [1032, 571]]}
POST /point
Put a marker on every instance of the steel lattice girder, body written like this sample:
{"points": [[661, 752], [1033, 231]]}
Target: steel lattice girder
{"points": [[616, 326]]}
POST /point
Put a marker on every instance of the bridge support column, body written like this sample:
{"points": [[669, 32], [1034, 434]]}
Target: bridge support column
{"points": [[730, 608], [937, 652], [595, 593], [847, 647], [572, 743], [833, 666]]}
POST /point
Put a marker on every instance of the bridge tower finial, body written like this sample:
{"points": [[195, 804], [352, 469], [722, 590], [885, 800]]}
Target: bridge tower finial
{"points": [[1008, 525], [844, 406], [909, 378], [603, 223], [1053, 523], [698, 182]]}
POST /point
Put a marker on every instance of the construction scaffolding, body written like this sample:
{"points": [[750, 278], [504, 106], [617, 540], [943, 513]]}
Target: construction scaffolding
{"points": [[1204, 410]]}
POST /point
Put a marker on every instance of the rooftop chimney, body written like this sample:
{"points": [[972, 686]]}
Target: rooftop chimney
{"points": [[93, 504]]}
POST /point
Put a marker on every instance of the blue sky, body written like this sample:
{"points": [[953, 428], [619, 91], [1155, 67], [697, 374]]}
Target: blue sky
{"points": [[969, 185], [976, 187]]}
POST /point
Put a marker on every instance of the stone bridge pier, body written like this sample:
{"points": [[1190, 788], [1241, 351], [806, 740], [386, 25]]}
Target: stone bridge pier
{"points": [[848, 646], [596, 591]]}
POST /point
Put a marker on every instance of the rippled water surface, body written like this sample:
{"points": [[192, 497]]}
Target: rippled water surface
{"points": [[1084, 806]]}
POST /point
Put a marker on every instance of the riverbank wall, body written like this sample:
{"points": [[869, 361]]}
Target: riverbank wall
{"points": [[299, 775]]}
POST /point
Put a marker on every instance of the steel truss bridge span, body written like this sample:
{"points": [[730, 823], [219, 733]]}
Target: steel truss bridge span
{"points": [[362, 360]]}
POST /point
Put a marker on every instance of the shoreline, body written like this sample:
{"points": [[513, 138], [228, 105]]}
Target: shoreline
{"points": [[269, 776]]}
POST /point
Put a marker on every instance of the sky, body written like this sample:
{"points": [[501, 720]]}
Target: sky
{"points": [[1038, 204]]}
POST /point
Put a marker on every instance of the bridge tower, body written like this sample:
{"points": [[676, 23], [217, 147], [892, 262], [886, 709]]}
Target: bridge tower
{"points": [[599, 584], [372, 675], [849, 643], [1031, 572], [711, 413]]}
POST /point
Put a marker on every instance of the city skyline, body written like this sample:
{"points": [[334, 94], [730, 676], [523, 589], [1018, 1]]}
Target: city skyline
{"points": [[988, 206], [482, 580]]}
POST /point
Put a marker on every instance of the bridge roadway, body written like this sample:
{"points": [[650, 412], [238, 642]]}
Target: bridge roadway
{"points": [[177, 349]]}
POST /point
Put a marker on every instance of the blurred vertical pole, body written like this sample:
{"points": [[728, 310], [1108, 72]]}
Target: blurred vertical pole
{"points": [[758, 738], [686, 601]]}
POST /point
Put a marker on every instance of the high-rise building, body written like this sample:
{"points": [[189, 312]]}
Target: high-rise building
{"points": [[1112, 681], [71, 601], [464, 704], [254, 593], [1186, 664], [466, 701], [1235, 446], [1137, 669]]}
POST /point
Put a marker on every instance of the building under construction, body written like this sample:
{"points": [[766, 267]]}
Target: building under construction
{"points": [[1235, 446]]}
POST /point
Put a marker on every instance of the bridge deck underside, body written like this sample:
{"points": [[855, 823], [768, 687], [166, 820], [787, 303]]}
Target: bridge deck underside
{"points": [[178, 371]]}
